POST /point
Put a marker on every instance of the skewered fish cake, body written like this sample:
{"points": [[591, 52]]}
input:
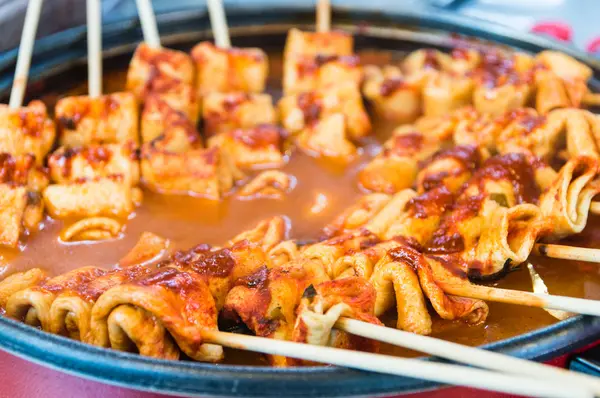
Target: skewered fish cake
{"points": [[109, 119]]}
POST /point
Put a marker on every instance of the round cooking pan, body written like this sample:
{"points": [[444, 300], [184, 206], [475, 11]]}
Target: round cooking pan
{"points": [[262, 25]]}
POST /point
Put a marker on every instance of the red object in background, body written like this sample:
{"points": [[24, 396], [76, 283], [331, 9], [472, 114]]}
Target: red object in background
{"points": [[557, 30], [593, 47]]}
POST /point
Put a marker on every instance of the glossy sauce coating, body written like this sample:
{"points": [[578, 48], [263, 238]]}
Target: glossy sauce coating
{"points": [[323, 190]]}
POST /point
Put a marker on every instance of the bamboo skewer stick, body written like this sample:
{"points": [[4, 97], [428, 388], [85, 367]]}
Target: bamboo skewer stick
{"points": [[464, 354], [323, 16], [148, 21], [595, 208], [94, 47], [567, 252], [443, 373], [218, 23], [32, 18], [576, 305]]}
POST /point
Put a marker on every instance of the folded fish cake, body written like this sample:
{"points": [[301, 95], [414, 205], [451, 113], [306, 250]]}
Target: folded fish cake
{"points": [[203, 172], [223, 112], [27, 130], [299, 111], [255, 147], [229, 70], [69, 165], [111, 118], [149, 63]]}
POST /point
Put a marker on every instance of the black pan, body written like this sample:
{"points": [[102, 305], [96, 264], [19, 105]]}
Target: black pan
{"points": [[254, 24]]}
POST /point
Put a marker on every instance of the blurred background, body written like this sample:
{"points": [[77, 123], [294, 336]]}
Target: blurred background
{"points": [[573, 21]]}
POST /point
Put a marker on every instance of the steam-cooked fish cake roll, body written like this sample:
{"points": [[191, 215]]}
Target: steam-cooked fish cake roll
{"points": [[228, 70], [148, 62], [449, 168], [396, 167], [21, 206], [26, 131], [566, 201], [506, 240], [223, 112], [146, 314], [255, 147], [70, 313], [266, 301], [220, 268], [109, 119], [505, 181], [300, 111], [32, 305], [69, 165], [357, 215], [267, 233], [208, 173], [19, 281], [323, 304], [421, 216], [433, 273]]}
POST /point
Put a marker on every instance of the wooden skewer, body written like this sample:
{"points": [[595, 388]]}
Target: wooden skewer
{"points": [[323, 16], [32, 17], [219, 23], [576, 305], [94, 47], [148, 21], [438, 372], [567, 252], [464, 354], [595, 208]]}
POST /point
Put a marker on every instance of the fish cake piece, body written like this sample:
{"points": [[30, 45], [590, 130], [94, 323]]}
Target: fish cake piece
{"points": [[223, 112], [394, 96], [149, 63], [102, 196], [21, 207], [111, 118], [27, 130], [327, 138], [255, 147], [68, 165], [178, 95], [396, 167], [312, 72], [229, 70], [202, 172], [302, 49], [172, 127], [12, 208], [299, 111]]}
